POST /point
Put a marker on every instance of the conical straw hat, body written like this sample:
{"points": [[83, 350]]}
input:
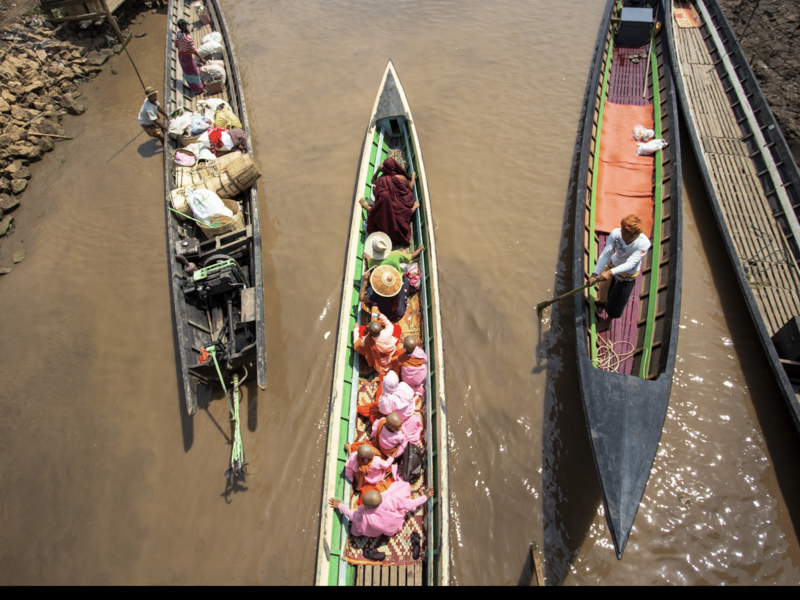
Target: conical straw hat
{"points": [[386, 281]]}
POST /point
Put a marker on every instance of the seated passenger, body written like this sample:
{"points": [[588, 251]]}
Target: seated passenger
{"points": [[395, 397], [412, 364], [378, 251], [388, 290], [392, 434], [367, 471], [377, 342], [617, 267], [394, 203], [382, 514]]}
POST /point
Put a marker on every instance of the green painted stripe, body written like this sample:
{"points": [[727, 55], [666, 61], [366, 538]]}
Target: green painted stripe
{"points": [[655, 256], [593, 199]]}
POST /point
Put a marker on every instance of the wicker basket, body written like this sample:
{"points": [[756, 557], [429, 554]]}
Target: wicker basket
{"points": [[241, 167], [193, 176], [186, 141], [177, 199], [186, 152], [226, 224]]}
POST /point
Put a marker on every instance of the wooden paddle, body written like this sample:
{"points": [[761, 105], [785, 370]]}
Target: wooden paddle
{"points": [[542, 305]]}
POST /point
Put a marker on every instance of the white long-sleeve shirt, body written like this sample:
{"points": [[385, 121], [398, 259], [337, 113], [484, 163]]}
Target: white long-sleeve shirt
{"points": [[627, 258]]}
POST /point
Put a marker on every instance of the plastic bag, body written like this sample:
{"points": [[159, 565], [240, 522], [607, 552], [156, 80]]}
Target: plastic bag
{"points": [[198, 125], [181, 122], [226, 119], [651, 147], [414, 276], [210, 106], [201, 152], [227, 142], [642, 134], [205, 204]]}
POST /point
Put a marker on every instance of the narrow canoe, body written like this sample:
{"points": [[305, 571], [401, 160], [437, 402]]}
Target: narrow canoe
{"points": [[626, 392], [391, 128], [750, 175], [197, 323]]}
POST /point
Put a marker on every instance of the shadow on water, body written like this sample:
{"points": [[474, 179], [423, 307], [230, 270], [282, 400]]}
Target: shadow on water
{"points": [[571, 493], [777, 425], [150, 148], [118, 152], [187, 421]]}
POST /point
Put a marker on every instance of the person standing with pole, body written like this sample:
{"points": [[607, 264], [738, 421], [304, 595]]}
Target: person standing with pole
{"points": [[148, 115]]}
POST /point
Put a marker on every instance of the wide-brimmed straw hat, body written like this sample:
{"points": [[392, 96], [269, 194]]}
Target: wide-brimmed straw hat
{"points": [[386, 281], [149, 92], [378, 245]]}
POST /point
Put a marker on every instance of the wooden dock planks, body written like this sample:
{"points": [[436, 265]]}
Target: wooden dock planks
{"points": [[759, 242]]}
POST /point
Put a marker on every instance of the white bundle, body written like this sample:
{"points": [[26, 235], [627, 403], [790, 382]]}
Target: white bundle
{"points": [[651, 147], [181, 122], [201, 152], [214, 68], [211, 106], [205, 204], [212, 44], [642, 134]]}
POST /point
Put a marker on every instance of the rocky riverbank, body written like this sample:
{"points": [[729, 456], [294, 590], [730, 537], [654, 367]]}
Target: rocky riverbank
{"points": [[769, 32], [42, 67]]}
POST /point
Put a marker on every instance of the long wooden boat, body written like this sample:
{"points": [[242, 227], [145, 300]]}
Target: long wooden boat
{"points": [[750, 175], [339, 562], [626, 372], [237, 325]]}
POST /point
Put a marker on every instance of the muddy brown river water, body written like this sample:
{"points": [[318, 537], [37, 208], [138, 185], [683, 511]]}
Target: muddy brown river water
{"points": [[102, 478]]}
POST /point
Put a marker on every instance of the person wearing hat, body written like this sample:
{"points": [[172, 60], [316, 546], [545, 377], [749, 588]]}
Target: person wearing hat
{"points": [[148, 115], [388, 290], [378, 251]]}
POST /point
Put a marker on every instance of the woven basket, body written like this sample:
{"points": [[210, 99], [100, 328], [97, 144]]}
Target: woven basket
{"points": [[177, 199], [226, 224], [193, 176], [186, 141], [241, 167], [222, 185], [186, 152]]}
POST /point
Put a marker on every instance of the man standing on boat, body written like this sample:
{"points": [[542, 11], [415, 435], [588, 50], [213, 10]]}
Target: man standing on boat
{"points": [[148, 115], [617, 268]]}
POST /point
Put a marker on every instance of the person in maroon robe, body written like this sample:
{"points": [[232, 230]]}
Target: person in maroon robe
{"points": [[394, 203]]}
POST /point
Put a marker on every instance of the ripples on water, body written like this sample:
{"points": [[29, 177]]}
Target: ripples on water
{"points": [[104, 471]]}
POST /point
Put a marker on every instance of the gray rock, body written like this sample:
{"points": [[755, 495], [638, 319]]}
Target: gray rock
{"points": [[46, 144], [6, 270], [72, 106], [18, 186], [96, 58], [5, 225], [4, 106], [141, 34], [47, 126], [8, 202], [19, 256]]}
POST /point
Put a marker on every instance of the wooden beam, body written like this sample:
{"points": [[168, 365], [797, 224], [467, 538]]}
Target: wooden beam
{"points": [[84, 17]]}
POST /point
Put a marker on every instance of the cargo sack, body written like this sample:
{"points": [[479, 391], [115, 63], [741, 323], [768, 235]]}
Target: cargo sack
{"points": [[412, 462], [226, 119]]}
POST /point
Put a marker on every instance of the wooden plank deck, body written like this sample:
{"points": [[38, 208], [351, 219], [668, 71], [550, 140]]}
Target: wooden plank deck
{"points": [[180, 95], [760, 244]]}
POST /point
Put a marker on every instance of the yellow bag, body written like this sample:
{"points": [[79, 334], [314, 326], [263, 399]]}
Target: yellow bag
{"points": [[226, 119]]}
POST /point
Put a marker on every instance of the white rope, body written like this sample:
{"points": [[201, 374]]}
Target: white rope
{"points": [[609, 358]]}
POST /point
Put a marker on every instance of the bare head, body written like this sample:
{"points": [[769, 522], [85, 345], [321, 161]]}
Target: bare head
{"points": [[409, 344], [366, 452], [372, 499], [375, 328], [631, 228], [393, 421]]}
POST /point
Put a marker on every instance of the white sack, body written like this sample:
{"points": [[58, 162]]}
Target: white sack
{"points": [[205, 204], [214, 36], [210, 48], [227, 142], [651, 147], [181, 122], [642, 134]]}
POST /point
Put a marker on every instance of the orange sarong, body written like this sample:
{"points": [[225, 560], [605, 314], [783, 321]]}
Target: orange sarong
{"points": [[381, 486]]}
